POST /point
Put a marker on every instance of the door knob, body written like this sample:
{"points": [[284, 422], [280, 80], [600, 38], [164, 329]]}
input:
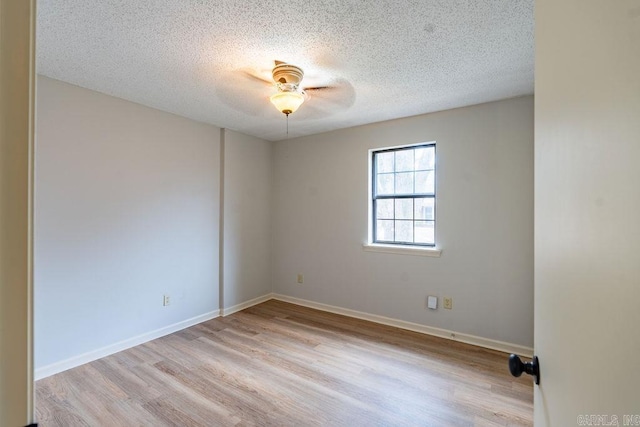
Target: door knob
{"points": [[517, 367]]}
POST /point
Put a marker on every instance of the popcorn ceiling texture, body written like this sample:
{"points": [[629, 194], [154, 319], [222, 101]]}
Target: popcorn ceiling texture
{"points": [[388, 59]]}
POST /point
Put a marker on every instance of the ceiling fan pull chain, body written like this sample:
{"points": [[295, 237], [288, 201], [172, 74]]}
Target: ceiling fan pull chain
{"points": [[287, 126]]}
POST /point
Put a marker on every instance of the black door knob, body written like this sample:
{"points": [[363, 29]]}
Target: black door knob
{"points": [[517, 367]]}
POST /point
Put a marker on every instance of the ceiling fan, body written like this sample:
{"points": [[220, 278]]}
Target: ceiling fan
{"points": [[323, 96], [289, 95]]}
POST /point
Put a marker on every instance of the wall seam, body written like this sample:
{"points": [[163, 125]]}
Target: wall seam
{"points": [[221, 225]]}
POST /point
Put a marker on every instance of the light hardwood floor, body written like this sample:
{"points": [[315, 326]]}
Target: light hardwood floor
{"points": [[279, 364]]}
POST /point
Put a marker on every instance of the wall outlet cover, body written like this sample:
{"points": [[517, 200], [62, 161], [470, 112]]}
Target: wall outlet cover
{"points": [[432, 302]]}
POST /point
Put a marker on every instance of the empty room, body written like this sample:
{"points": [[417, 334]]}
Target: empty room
{"points": [[333, 213]]}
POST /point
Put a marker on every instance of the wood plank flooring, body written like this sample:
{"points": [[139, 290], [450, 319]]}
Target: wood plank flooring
{"points": [[279, 364]]}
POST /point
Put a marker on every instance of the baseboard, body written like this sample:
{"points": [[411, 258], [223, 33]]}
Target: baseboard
{"points": [[415, 327], [246, 304], [90, 356]]}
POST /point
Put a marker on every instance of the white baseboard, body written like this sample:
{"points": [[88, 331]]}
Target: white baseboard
{"points": [[246, 304], [90, 356], [415, 327]]}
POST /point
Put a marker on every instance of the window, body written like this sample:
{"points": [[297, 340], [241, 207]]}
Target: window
{"points": [[403, 195]]}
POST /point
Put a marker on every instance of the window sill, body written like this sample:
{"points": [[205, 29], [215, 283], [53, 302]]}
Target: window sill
{"points": [[402, 250]]}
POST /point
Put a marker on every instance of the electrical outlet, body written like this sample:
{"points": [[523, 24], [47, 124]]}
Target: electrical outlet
{"points": [[166, 300], [300, 278], [447, 302]]}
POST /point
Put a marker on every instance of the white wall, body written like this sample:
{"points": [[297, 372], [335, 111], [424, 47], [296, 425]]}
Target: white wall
{"points": [[587, 242], [484, 222], [247, 218], [127, 209]]}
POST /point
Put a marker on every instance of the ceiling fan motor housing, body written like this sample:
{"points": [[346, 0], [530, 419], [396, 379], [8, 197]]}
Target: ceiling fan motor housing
{"points": [[287, 73]]}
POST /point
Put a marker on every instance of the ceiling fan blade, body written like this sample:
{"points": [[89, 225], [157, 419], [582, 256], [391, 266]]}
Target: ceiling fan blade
{"points": [[245, 90], [245, 102], [340, 94], [309, 111], [254, 76], [307, 89], [326, 100]]}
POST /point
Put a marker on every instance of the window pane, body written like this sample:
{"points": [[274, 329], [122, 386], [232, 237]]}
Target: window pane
{"points": [[424, 208], [404, 231], [384, 183], [425, 232], [425, 158], [404, 198], [384, 230], [384, 209], [404, 208], [404, 160], [425, 183], [404, 183], [384, 162]]}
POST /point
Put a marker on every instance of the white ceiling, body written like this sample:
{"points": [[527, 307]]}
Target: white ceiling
{"points": [[389, 59]]}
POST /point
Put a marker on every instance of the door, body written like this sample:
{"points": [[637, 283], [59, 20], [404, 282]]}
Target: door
{"points": [[16, 107], [587, 212]]}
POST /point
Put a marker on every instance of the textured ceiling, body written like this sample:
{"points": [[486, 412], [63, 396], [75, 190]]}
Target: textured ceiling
{"points": [[387, 59]]}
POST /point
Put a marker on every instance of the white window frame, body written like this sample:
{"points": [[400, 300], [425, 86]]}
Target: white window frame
{"points": [[396, 248]]}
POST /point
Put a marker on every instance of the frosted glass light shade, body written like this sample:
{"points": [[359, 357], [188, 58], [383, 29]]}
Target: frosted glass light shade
{"points": [[287, 102]]}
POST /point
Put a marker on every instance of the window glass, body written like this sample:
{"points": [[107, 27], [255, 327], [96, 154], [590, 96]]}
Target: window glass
{"points": [[404, 195]]}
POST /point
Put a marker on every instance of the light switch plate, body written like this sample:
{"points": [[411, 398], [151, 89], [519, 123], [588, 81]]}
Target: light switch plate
{"points": [[432, 302]]}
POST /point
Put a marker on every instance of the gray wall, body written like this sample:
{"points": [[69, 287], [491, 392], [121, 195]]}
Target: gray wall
{"points": [[484, 222], [127, 205], [247, 218]]}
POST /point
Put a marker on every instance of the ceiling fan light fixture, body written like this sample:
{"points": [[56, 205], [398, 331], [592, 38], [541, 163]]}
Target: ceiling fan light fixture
{"points": [[287, 102]]}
